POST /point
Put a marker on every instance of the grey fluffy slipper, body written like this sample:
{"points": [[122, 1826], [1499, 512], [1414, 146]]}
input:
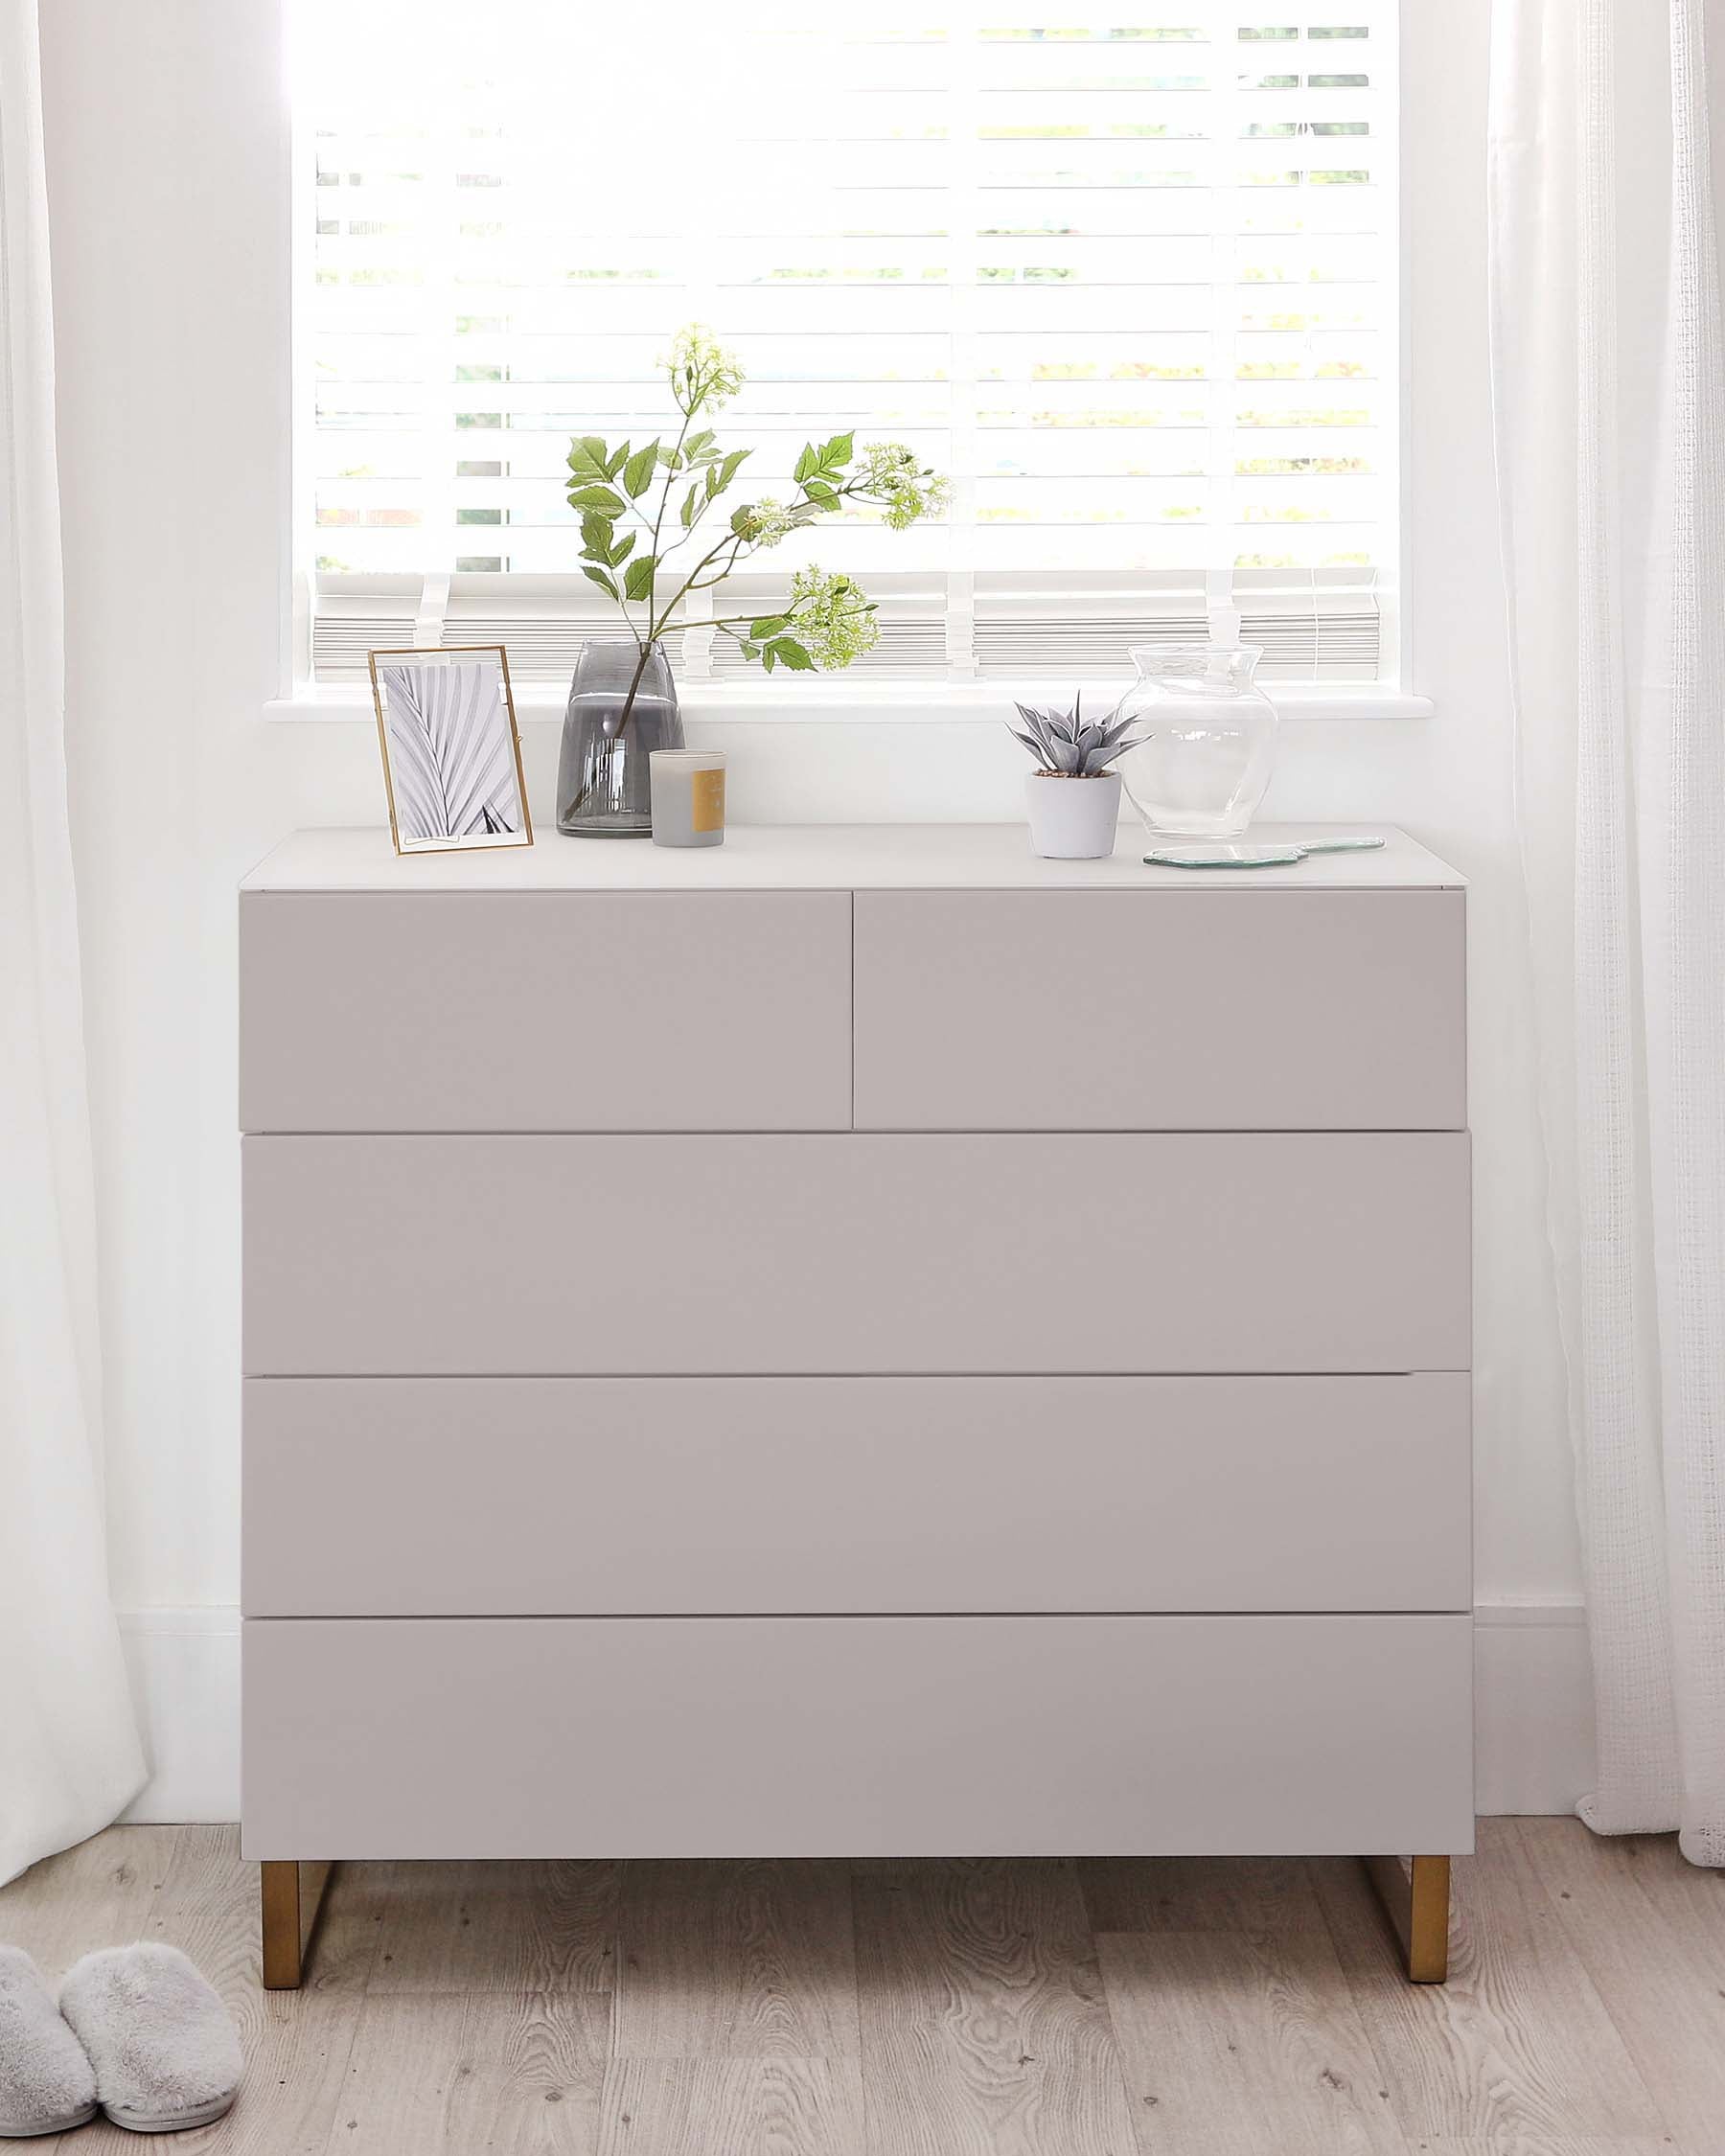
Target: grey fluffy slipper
{"points": [[47, 2085], [163, 2045]]}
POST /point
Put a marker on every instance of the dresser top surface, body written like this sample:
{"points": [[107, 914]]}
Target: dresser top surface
{"points": [[834, 858]]}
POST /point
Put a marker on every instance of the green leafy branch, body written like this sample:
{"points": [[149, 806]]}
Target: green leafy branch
{"points": [[826, 621]]}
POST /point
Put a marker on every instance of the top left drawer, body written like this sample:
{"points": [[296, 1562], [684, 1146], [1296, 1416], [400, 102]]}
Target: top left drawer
{"points": [[545, 1011]]}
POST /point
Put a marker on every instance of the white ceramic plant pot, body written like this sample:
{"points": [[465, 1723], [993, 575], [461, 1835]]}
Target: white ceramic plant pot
{"points": [[1073, 818]]}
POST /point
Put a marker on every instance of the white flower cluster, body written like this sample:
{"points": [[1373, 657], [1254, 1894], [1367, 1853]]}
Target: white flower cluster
{"points": [[832, 617], [891, 474], [770, 522], [703, 374]]}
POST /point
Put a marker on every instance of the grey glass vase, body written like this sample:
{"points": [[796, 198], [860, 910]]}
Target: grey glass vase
{"points": [[621, 708]]}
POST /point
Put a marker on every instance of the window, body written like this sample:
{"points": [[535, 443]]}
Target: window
{"points": [[1129, 277]]}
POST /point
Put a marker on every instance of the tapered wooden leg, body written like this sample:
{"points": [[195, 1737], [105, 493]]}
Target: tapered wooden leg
{"points": [[283, 1955], [1417, 1899]]}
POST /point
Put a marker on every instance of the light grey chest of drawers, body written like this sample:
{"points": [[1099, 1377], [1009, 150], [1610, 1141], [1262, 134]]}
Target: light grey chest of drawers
{"points": [[859, 1343]]}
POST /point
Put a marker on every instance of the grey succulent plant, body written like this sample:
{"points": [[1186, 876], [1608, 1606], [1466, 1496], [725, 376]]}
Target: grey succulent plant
{"points": [[1069, 746]]}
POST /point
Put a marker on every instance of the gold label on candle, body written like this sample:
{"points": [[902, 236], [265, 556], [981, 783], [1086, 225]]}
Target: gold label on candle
{"points": [[707, 806]]}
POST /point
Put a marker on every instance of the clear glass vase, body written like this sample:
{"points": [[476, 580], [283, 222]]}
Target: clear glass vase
{"points": [[622, 706], [1207, 739]]}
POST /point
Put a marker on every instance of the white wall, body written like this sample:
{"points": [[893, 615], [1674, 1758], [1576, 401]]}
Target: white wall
{"points": [[168, 158]]}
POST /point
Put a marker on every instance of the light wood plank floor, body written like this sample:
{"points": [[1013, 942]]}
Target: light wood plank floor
{"points": [[1122, 2008]]}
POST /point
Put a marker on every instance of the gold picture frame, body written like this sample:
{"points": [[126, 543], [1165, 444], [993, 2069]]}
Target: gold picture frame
{"points": [[424, 730]]}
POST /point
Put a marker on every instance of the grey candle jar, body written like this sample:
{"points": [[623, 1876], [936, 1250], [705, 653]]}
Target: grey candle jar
{"points": [[622, 706]]}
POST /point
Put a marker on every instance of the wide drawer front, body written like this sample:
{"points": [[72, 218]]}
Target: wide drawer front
{"points": [[1237, 1009], [567, 1256], [545, 1011], [716, 1495], [877, 1736]]}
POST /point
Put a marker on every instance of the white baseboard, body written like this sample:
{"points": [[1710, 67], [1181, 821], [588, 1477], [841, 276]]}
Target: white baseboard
{"points": [[1533, 1717]]}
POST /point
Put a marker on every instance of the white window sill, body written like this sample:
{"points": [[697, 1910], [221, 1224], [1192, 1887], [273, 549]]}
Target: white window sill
{"points": [[779, 702]]}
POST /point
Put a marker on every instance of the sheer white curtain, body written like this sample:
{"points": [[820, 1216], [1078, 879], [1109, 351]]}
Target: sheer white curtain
{"points": [[69, 1757], [1609, 373]]}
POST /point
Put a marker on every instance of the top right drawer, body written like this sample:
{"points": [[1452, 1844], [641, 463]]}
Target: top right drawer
{"points": [[1159, 1010]]}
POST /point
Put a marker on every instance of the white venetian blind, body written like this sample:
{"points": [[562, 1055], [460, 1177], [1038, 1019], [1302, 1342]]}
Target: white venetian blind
{"points": [[1127, 276]]}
